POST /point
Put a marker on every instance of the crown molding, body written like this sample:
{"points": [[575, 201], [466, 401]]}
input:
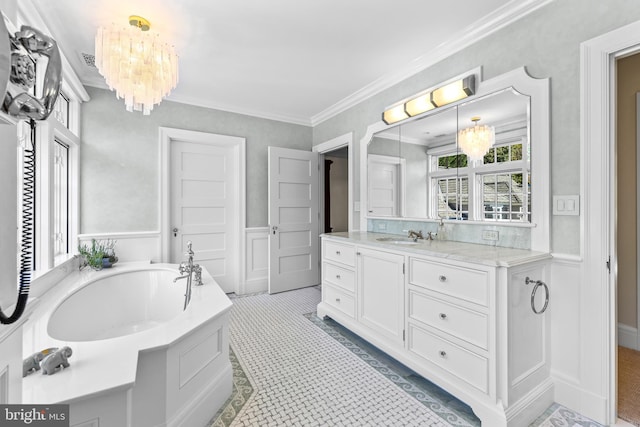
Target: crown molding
{"points": [[227, 108], [489, 24], [296, 120]]}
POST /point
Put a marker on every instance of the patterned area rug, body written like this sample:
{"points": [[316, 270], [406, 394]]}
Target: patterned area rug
{"points": [[629, 385]]}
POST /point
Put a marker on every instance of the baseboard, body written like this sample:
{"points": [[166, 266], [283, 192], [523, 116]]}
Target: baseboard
{"points": [[569, 394], [255, 286], [628, 336], [531, 405], [201, 408]]}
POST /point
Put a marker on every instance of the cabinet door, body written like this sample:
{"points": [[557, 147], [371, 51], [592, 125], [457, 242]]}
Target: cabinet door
{"points": [[381, 292]]}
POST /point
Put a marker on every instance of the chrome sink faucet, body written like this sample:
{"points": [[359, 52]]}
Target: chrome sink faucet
{"points": [[188, 270], [415, 235]]}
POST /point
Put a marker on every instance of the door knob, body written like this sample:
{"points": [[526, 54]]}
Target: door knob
{"points": [[175, 232]]}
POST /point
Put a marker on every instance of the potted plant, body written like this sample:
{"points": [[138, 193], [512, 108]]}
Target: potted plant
{"points": [[99, 254]]}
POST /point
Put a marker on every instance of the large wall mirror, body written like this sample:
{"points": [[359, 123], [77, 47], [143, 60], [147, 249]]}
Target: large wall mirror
{"points": [[417, 169]]}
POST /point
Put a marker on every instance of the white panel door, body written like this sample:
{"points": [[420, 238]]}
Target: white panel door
{"points": [[204, 192], [293, 219], [384, 186]]}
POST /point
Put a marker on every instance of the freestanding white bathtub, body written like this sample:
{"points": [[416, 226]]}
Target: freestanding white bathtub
{"points": [[138, 358]]}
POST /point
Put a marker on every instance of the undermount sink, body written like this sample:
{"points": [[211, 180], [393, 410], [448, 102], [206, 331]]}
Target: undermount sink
{"points": [[398, 240]]}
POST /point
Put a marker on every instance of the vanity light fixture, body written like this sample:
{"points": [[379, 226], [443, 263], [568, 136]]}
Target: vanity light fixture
{"points": [[140, 67], [394, 114], [419, 105], [426, 101], [476, 140], [453, 92]]}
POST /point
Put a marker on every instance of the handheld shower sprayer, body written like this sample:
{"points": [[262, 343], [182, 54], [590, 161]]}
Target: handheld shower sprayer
{"points": [[17, 77]]}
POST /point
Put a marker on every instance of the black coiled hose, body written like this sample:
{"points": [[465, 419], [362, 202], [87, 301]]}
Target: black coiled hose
{"points": [[26, 239]]}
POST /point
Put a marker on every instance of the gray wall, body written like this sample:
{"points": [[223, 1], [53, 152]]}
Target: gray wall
{"points": [[547, 42], [119, 174]]}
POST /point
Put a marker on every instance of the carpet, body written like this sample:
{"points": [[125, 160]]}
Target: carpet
{"points": [[629, 385]]}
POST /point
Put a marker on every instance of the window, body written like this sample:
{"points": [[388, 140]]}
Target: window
{"points": [[61, 110], [60, 199], [453, 198], [56, 175], [497, 188]]}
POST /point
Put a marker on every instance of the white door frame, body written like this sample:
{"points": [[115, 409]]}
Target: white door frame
{"points": [[167, 136], [598, 311], [345, 140]]}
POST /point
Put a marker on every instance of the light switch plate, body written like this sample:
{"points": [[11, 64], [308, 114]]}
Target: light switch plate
{"points": [[566, 205]]}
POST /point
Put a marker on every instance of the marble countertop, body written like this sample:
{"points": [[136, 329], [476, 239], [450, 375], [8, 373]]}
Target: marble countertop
{"points": [[494, 256], [109, 364]]}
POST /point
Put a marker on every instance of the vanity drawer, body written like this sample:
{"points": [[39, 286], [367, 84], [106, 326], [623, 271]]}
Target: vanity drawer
{"points": [[339, 276], [460, 322], [339, 299], [339, 252], [460, 282], [462, 363]]}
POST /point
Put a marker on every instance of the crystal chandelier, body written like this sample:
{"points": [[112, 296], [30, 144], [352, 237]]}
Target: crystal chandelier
{"points": [[476, 140], [136, 64]]}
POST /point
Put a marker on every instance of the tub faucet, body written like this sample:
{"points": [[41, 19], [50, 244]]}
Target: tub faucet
{"points": [[187, 270]]}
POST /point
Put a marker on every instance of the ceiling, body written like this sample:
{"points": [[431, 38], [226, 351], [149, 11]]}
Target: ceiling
{"points": [[299, 61]]}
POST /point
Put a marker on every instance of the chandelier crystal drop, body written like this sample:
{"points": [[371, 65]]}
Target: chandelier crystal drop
{"points": [[477, 140], [138, 65]]}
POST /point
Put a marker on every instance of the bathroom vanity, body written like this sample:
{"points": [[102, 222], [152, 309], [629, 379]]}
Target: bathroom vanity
{"points": [[459, 314]]}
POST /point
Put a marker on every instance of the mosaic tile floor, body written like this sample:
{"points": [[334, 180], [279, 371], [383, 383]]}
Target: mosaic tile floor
{"points": [[328, 376]]}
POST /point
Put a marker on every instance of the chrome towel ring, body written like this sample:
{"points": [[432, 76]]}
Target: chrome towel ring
{"points": [[538, 283]]}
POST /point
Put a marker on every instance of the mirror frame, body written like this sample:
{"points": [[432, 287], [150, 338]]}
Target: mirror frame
{"points": [[539, 135]]}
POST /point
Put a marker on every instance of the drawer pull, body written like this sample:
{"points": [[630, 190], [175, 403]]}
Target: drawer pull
{"points": [[443, 316], [338, 276], [443, 353], [337, 300], [443, 278], [337, 252]]}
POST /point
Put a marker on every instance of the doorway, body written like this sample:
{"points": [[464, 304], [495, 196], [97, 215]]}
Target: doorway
{"points": [[340, 148], [599, 189], [628, 361], [336, 190]]}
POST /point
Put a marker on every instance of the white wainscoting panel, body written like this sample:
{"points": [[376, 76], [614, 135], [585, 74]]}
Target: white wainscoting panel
{"points": [[564, 311], [4, 385], [11, 363], [131, 246], [256, 260]]}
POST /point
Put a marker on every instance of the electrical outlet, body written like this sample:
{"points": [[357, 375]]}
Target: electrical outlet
{"points": [[490, 235], [382, 226]]}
